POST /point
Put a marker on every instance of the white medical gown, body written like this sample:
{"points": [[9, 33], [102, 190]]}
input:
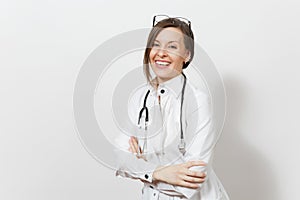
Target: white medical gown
{"points": [[161, 140]]}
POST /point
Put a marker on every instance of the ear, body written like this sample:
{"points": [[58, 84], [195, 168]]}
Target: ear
{"points": [[187, 56]]}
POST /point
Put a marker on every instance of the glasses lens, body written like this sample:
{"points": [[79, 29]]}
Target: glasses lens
{"points": [[159, 18], [184, 20]]}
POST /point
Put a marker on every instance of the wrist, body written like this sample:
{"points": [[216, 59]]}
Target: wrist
{"points": [[155, 175]]}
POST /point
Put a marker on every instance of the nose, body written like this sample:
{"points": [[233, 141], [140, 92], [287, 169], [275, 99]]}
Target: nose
{"points": [[162, 52]]}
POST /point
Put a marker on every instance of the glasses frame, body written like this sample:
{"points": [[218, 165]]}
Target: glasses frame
{"points": [[167, 17]]}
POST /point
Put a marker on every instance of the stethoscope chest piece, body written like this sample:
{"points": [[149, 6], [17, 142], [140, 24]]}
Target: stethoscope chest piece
{"points": [[181, 146]]}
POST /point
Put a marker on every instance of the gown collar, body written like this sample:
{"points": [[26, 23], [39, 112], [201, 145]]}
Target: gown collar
{"points": [[173, 86]]}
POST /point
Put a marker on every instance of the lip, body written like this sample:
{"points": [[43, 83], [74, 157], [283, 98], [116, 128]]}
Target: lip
{"points": [[161, 66], [166, 61]]}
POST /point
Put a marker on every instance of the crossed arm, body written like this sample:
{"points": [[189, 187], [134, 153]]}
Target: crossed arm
{"points": [[179, 174]]}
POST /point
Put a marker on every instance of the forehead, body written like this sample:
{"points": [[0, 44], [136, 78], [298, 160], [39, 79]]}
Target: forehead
{"points": [[170, 34]]}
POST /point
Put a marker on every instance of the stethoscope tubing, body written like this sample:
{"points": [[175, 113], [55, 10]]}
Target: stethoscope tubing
{"points": [[181, 145]]}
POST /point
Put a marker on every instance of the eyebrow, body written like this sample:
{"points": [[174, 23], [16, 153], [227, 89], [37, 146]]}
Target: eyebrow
{"points": [[168, 42]]}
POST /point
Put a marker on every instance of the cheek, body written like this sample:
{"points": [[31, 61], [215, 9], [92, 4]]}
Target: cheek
{"points": [[177, 59], [151, 55]]}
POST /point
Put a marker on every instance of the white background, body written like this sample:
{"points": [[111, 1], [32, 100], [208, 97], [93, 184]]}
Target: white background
{"points": [[254, 44]]}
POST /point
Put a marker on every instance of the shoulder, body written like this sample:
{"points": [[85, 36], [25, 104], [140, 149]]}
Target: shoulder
{"points": [[197, 97]]}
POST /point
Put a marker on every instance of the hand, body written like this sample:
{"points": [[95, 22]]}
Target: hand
{"points": [[135, 149], [180, 174]]}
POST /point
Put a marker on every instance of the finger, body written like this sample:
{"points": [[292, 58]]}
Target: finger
{"points": [[194, 163], [132, 146], [135, 144], [134, 138], [188, 184], [191, 179], [195, 174], [129, 149]]}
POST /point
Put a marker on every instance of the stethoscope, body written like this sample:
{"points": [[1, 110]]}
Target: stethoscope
{"points": [[181, 145]]}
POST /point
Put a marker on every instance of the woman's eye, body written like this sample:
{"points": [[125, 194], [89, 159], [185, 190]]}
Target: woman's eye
{"points": [[155, 45], [173, 47]]}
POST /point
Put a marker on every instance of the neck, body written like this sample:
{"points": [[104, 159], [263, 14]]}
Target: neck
{"points": [[157, 80]]}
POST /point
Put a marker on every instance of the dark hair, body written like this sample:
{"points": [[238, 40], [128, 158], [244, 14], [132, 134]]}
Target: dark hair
{"points": [[165, 23]]}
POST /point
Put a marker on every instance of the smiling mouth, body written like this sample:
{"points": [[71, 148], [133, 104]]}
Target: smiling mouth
{"points": [[162, 64]]}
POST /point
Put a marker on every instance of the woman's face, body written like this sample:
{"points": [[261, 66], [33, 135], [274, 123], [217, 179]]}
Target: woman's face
{"points": [[168, 54]]}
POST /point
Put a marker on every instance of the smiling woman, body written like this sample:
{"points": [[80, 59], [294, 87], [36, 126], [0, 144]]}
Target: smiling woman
{"points": [[176, 161], [170, 38], [168, 54]]}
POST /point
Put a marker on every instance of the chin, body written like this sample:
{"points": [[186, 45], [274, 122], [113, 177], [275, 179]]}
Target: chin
{"points": [[164, 73], [165, 76]]}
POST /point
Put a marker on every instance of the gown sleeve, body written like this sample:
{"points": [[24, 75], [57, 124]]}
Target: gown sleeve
{"points": [[128, 165], [202, 138]]}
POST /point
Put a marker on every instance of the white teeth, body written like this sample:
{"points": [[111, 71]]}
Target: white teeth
{"points": [[162, 63]]}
